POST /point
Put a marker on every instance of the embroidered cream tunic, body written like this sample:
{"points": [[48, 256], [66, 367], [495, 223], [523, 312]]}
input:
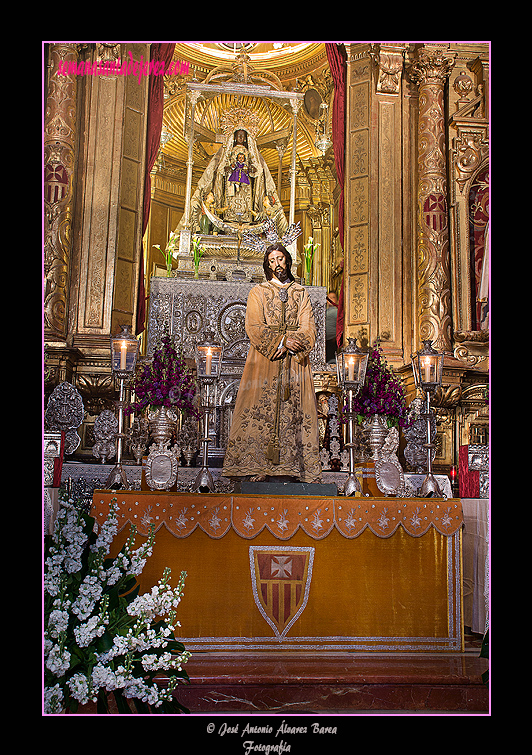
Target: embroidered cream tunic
{"points": [[275, 423]]}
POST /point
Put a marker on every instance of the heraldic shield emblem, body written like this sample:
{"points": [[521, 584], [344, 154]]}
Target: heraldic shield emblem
{"points": [[281, 578]]}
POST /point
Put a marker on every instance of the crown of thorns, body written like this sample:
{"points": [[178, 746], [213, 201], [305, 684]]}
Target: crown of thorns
{"points": [[271, 236]]}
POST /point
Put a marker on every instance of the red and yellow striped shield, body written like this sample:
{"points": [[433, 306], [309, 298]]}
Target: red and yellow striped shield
{"points": [[281, 578]]}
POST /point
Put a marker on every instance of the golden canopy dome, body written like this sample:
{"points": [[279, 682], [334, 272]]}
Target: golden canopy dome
{"points": [[286, 65]]}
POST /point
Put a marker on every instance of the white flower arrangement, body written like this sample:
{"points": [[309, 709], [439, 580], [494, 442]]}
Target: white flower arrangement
{"points": [[170, 252], [100, 635], [197, 252], [309, 250]]}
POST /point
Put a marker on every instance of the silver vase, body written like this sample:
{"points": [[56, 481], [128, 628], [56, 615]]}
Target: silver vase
{"points": [[189, 454], [376, 430], [162, 461], [162, 422]]}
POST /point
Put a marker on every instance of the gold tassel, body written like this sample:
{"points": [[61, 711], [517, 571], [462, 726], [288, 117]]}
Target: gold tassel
{"points": [[272, 453], [286, 380]]}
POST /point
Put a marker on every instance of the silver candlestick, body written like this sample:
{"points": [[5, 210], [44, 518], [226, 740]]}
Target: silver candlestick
{"points": [[208, 367]]}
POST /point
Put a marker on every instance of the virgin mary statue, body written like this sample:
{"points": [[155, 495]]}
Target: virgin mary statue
{"points": [[236, 190]]}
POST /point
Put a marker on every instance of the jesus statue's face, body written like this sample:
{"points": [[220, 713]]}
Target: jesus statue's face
{"points": [[277, 263]]}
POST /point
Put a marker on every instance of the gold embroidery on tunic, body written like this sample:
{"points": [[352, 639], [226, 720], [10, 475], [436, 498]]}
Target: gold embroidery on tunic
{"points": [[275, 429]]}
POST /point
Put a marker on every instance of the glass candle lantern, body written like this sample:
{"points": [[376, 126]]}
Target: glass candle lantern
{"points": [[124, 352], [208, 358], [427, 365], [351, 365]]}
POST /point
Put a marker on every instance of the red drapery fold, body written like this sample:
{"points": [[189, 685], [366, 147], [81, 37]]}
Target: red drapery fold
{"points": [[161, 51], [336, 56], [468, 479]]}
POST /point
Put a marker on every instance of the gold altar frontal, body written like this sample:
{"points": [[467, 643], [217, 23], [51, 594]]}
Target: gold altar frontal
{"points": [[303, 573]]}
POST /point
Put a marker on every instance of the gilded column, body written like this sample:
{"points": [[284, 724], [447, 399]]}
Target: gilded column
{"points": [[430, 71], [358, 216], [296, 104], [59, 152]]}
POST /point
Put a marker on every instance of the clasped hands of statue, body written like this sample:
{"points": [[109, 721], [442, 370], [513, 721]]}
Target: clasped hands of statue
{"points": [[290, 346]]}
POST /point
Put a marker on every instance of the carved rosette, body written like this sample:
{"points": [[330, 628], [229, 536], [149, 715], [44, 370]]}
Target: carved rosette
{"points": [[430, 72], [59, 138]]}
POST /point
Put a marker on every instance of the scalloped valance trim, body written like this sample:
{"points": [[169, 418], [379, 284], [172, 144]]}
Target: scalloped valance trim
{"points": [[248, 515]]}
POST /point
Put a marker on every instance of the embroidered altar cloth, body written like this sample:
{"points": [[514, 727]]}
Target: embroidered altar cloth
{"points": [[248, 515], [309, 572]]}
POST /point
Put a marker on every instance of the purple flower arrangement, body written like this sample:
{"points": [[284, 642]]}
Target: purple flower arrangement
{"points": [[165, 381], [382, 392]]}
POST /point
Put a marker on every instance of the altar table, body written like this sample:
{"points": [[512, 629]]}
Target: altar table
{"points": [[476, 556], [303, 573]]}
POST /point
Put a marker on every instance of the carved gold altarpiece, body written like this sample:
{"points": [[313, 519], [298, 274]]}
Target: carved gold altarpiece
{"points": [[407, 245], [94, 153], [417, 136], [234, 83], [242, 95]]}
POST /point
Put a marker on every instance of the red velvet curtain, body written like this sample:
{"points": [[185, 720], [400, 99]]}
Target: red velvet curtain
{"points": [[468, 480], [337, 58], [161, 51]]}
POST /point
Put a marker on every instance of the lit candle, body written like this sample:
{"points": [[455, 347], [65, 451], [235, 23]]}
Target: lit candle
{"points": [[351, 370], [208, 364], [426, 365], [452, 473], [123, 354]]}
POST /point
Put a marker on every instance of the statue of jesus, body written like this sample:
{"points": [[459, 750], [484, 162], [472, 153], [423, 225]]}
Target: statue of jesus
{"points": [[274, 432]]}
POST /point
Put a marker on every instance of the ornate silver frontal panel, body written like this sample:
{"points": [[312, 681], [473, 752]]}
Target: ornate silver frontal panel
{"points": [[184, 309]]}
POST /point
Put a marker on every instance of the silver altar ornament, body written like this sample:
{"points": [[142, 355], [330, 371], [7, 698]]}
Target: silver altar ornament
{"points": [[209, 356], [162, 463], [124, 352], [415, 434], [351, 365], [65, 413], [427, 366], [105, 431], [389, 475], [187, 439], [138, 437], [51, 452], [271, 236], [162, 466], [376, 430]]}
